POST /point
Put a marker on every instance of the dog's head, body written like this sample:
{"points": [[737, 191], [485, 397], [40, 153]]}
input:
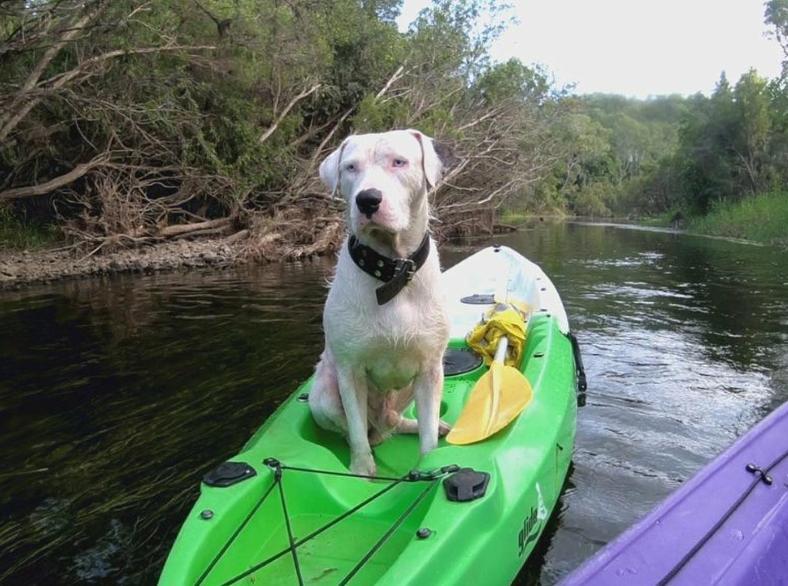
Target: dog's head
{"points": [[384, 178]]}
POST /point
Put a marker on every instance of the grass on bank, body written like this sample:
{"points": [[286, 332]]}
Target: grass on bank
{"points": [[18, 234], [516, 217], [663, 220], [761, 218]]}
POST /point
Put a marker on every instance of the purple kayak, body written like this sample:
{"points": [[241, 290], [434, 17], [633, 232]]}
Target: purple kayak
{"points": [[727, 525]]}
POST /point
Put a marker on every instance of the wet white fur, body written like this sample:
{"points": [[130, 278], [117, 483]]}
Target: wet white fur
{"points": [[377, 358]]}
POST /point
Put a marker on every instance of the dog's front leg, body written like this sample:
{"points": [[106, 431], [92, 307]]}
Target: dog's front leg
{"points": [[353, 391], [428, 389]]}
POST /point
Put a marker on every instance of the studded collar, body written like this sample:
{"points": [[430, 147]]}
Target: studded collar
{"points": [[394, 272]]}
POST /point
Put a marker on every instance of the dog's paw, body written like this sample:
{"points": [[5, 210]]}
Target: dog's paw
{"points": [[443, 428], [363, 464]]}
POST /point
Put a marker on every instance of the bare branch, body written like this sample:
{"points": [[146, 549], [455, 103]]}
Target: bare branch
{"points": [[392, 80], [57, 82], [271, 129], [61, 79], [11, 118]]}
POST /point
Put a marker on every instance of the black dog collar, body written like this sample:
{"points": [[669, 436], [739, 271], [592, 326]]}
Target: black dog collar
{"points": [[394, 272]]}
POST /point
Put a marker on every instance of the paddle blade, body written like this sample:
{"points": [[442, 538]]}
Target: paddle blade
{"points": [[499, 396]]}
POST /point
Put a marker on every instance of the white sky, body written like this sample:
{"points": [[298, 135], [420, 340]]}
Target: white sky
{"points": [[637, 47]]}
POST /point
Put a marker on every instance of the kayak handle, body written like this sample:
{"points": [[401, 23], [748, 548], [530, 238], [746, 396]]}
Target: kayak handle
{"points": [[580, 371]]}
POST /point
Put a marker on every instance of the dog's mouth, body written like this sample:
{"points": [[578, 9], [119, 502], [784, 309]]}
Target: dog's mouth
{"points": [[382, 235], [377, 229]]}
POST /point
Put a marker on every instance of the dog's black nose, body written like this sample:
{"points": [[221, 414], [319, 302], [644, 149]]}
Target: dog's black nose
{"points": [[368, 201]]}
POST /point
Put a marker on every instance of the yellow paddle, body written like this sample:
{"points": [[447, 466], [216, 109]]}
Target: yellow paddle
{"points": [[499, 396]]}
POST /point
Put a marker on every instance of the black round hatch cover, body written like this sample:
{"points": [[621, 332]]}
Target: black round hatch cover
{"points": [[460, 361]]}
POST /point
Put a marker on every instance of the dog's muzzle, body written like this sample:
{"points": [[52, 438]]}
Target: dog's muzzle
{"points": [[368, 201]]}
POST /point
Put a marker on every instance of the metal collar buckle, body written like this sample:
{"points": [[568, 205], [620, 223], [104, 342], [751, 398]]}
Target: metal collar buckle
{"points": [[405, 266]]}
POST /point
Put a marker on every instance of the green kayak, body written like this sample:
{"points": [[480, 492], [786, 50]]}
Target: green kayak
{"points": [[286, 509]]}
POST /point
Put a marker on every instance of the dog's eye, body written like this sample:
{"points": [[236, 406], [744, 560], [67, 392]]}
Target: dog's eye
{"points": [[350, 167], [399, 162]]}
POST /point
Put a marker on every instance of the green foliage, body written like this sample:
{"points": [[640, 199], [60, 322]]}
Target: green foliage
{"points": [[776, 15], [219, 107], [593, 200], [188, 124], [512, 80], [18, 233], [732, 143], [627, 156], [611, 144], [762, 218], [457, 34], [207, 108], [376, 116]]}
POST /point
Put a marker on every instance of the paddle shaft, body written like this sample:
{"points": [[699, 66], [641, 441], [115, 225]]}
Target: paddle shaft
{"points": [[495, 388], [500, 351]]}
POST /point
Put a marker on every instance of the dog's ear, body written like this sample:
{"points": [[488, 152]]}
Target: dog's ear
{"points": [[430, 161], [330, 169], [445, 154]]}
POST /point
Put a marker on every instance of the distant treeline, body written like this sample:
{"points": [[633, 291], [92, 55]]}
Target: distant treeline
{"points": [[642, 157], [130, 121], [673, 154]]}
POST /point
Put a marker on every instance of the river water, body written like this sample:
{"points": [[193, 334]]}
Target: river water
{"points": [[116, 395]]}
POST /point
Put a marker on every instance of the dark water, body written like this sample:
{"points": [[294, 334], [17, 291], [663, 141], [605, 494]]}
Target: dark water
{"points": [[116, 395]]}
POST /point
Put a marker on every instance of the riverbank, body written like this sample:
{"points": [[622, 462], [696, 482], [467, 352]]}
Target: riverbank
{"points": [[761, 218], [32, 254], [20, 268]]}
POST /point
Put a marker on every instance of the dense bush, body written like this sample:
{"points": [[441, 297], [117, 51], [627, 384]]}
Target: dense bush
{"points": [[131, 121], [127, 121]]}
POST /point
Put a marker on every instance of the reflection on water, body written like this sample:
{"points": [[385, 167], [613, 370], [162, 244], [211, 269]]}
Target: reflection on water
{"points": [[117, 395]]}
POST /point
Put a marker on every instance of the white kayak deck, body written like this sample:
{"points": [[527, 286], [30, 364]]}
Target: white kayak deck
{"points": [[498, 271]]}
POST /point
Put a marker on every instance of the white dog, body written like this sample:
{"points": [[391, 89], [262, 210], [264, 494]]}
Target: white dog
{"points": [[385, 323]]}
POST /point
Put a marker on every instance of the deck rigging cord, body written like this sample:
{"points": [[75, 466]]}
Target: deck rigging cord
{"points": [[761, 476], [431, 478]]}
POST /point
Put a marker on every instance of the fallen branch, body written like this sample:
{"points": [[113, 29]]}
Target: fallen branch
{"points": [[240, 235], [319, 150], [203, 232], [393, 79], [501, 228], [52, 184], [61, 79], [178, 229]]}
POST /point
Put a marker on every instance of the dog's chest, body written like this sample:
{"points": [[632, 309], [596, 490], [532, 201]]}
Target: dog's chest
{"points": [[392, 344], [404, 329], [390, 352], [388, 371]]}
